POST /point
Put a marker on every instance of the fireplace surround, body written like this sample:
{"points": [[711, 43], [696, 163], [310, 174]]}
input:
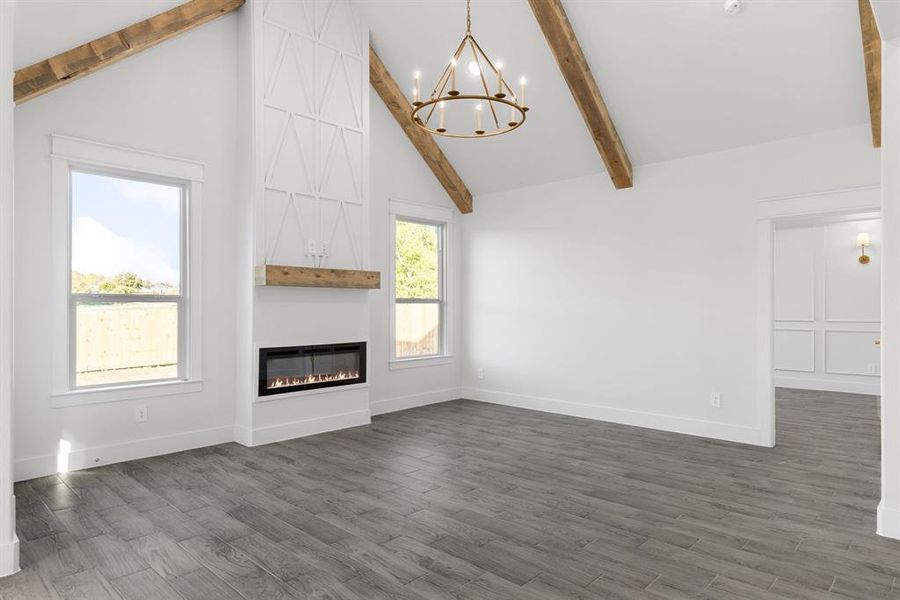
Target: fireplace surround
{"points": [[297, 368]]}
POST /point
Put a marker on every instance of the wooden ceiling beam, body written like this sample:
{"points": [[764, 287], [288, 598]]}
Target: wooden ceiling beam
{"points": [[399, 106], [871, 41], [552, 18], [40, 78]]}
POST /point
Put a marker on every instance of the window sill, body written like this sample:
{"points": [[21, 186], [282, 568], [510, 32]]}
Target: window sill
{"points": [[125, 392], [425, 361]]}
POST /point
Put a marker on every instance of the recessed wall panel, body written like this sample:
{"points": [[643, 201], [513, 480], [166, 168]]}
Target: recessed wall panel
{"points": [[794, 275], [851, 353], [795, 350]]}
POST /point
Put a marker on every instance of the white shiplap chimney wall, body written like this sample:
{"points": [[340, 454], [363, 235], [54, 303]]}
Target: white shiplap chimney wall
{"points": [[309, 202]]}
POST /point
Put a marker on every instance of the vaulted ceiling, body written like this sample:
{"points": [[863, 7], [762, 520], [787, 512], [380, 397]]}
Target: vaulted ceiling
{"points": [[679, 77]]}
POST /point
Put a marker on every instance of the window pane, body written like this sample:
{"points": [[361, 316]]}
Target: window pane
{"points": [[126, 236], [417, 330], [121, 342], [417, 260]]}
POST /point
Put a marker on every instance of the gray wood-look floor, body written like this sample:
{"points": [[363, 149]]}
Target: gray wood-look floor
{"points": [[465, 500]]}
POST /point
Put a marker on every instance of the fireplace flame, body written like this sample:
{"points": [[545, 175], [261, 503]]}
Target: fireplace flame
{"points": [[280, 382]]}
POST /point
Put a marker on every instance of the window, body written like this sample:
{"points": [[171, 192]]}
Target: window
{"points": [[419, 286], [126, 271], [418, 276], [126, 304]]}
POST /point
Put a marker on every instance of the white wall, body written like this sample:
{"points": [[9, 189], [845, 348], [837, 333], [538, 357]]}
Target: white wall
{"points": [[633, 306], [178, 98], [827, 308], [9, 547], [399, 173], [889, 508]]}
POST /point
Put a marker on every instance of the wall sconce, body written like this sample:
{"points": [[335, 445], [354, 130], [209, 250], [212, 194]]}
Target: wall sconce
{"points": [[862, 240]]}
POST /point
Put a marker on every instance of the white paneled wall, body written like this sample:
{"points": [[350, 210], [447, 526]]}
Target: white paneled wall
{"points": [[310, 202], [314, 71], [827, 308]]}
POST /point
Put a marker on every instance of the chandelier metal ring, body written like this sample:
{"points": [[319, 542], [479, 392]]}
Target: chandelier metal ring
{"points": [[510, 125]]}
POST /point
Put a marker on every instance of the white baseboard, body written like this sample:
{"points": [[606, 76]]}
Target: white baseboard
{"points": [[389, 405], [698, 427], [888, 521], [243, 435], [296, 429], [9, 557], [39, 466], [872, 388]]}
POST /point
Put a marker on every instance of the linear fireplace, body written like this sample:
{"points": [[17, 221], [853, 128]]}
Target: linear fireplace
{"points": [[295, 368]]}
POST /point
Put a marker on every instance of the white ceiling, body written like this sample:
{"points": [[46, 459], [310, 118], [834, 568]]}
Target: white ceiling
{"points": [[680, 77], [887, 15]]}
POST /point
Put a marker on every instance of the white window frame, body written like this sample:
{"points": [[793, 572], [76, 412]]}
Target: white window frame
{"points": [[429, 215], [78, 155]]}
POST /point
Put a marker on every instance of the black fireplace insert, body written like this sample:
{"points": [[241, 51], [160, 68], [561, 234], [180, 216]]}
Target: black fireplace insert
{"points": [[294, 368]]}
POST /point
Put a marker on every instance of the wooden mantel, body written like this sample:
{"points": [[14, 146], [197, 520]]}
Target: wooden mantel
{"points": [[285, 276]]}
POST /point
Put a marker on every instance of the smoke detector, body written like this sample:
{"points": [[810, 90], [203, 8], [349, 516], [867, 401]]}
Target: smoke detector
{"points": [[733, 7]]}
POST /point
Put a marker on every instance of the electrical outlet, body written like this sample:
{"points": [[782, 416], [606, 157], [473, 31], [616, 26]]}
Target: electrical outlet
{"points": [[479, 373], [140, 413], [715, 399], [872, 368], [311, 246]]}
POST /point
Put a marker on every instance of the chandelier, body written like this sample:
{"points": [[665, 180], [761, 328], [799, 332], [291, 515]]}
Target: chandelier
{"points": [[489, 107]]}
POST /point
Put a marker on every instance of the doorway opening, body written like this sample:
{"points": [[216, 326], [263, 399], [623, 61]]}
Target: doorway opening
{"points": [[826, 329], [810, 232], [827, 304]]}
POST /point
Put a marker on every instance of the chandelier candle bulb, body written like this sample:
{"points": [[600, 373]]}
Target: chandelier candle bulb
{"points": [[478, 128], [417, 91], [453, 91], [500, 93], [522, 82], [441, 106]]}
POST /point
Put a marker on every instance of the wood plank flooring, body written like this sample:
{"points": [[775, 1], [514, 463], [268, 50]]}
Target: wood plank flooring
{"points": [[465, 500]]}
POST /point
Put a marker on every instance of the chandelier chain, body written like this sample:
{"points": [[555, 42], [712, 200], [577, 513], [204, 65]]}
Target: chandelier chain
{"points": [[469, 16]]}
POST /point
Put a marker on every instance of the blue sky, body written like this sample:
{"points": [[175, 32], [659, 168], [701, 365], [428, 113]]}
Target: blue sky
{"points": [[123, 225]]}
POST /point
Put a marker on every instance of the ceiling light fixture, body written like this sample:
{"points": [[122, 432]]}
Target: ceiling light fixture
{"points": [[491, 95]]}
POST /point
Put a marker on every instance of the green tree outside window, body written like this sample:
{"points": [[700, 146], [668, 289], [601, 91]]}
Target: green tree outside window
{"points": [[416, 260]]}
